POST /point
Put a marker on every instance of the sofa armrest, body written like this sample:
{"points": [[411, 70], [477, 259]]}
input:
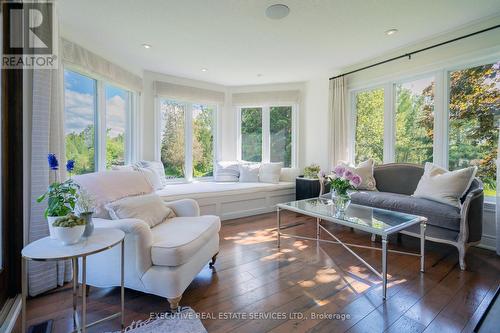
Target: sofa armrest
{"points": [[471, 223], [184, 207], [138, 239]]}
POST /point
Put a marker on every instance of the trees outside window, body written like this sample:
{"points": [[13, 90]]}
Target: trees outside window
{"points": [[415, 121], [117, 108], [473, 133], [369, 142], [281, 134], [251, 134], [79, 120], [187, 135]]}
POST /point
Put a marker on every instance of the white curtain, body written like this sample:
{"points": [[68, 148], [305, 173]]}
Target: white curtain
{"points": [[338, 122], [188, 94], [266, 97], [47, 135]]}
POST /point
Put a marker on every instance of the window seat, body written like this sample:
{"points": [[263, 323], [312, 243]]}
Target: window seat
{"points": [[231, 200]]}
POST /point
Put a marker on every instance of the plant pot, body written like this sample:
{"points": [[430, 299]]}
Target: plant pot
{"points": [[50, 220], [69, 235], [89, 224]]}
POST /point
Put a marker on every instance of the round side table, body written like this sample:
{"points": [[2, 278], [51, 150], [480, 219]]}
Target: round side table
{"points": [[47, 249]]}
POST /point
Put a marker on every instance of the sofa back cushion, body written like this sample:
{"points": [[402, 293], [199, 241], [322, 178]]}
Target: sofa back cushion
{"points": [[109, 186], [398, 178]]}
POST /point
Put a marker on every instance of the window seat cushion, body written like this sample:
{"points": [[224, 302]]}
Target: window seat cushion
{"points": [[198, 190]]}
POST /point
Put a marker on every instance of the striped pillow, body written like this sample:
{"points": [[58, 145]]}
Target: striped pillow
{"points": [[227, 171]]}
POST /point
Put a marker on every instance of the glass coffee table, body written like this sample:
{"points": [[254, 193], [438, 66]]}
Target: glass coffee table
{"points": [[372, 220]]}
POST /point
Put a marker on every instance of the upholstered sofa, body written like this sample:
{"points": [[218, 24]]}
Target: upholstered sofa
{"points": [[460, 227], [161, 260]]}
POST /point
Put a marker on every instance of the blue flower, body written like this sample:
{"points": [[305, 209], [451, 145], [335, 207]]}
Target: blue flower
{"points": [[53, 163], [70, 165]]}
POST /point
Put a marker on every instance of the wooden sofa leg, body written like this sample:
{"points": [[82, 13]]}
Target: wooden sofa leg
{"points": [[212, 262], [174, 303], [461, 257]]}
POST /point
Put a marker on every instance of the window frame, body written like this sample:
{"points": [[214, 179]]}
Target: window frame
{"points": [[441, 74], [131, 126], [266, 130], [188, 138]]}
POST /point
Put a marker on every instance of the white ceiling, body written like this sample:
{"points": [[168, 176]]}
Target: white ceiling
{"points": [[235, 41]]}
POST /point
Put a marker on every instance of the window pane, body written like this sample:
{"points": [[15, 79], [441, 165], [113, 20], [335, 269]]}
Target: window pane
{"points": [[79, 115], [473, 134], [251, 134], [172, 138], [117, 104], [203, 140], [415, 121], [370, 125], [281, 134]]}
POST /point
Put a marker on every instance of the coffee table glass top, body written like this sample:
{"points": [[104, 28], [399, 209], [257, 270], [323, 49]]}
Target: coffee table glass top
{"points": [[369, 219]]}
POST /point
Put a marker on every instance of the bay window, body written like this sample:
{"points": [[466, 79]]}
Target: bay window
{"points": [[97, 130], [267, 134], [187, 139]]}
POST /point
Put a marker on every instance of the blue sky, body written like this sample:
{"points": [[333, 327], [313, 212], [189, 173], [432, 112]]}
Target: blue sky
{"points": [[80, 104]]}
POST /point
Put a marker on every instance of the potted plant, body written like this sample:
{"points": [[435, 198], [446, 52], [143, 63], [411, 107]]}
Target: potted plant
{"points": [[342, 181], [312, 171], [69, 229], [85, 207], [61, 196]]}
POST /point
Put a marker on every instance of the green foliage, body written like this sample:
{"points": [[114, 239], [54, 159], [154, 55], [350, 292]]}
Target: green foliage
{"points": [[414, 125], [68, 221], [370, 126], [281, 134], [203, 143], [473, 134], [61, 198], [312, 171], [251, 134], [115, 150], [80, 148], [340, 185], [172, 142]]}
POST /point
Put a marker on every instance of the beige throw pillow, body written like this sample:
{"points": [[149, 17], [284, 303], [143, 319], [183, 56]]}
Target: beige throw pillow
{"points": [[365, 171], [149, 208], [270, 172], [444, 186]]}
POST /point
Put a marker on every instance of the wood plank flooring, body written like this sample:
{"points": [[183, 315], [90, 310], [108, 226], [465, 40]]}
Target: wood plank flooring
{"points": [[304, 285]]}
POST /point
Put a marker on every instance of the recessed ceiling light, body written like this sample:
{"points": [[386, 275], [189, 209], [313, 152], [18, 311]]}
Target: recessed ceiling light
{"points": [[146, 46], [277, 11], [204, 69], [391, 32]]}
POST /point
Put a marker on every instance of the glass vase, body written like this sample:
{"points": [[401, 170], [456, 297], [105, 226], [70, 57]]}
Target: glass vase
{"points": [[341, 201], [89, 224]]}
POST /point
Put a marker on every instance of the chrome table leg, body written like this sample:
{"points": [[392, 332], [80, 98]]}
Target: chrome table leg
{"points": [[384, 267], [423, 226], [84, 296], [24, 292], [278, 224], [123, 284]]}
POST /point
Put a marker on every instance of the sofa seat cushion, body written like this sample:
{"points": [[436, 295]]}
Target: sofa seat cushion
{"points": [[178, 239], [437, 214]]}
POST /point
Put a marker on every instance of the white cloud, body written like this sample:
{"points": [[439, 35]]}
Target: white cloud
{"points": [[116, 115], [79, 111]]}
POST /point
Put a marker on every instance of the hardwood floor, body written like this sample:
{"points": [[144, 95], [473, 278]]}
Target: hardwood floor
{"points": [[303, 280]]}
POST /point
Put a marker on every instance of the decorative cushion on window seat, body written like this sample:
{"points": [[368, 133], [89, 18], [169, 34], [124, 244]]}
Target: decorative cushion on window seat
{"points": [[177, 240]]}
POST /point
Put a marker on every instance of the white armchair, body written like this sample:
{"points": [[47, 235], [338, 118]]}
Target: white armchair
{"points": [[162, 260]]}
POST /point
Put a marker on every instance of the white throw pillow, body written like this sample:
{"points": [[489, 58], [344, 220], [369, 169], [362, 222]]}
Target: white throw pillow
{"points": [[249, 173], [444, 186], [227, 171], [270, 172], [152, 178], [156, 166], [289, 174], [365, 171], [149, 208]]}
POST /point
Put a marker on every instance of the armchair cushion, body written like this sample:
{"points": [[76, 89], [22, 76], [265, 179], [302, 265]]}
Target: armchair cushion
{"points": [[184, 207], [176, 241]]}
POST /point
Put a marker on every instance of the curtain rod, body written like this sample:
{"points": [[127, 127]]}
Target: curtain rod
{"points": [[408, 55]]}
